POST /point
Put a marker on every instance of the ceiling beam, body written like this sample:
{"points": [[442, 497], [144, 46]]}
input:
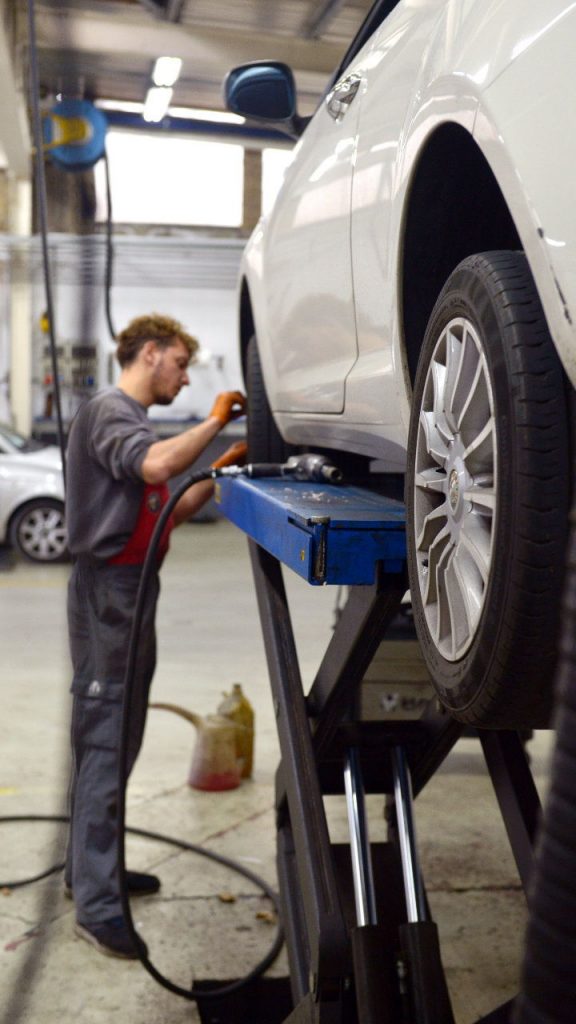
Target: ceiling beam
{"points": [[200, 46], [83, 52], [171, 10], [320, 17]]}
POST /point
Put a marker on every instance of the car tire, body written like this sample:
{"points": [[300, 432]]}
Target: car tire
{"points": [[265, 443], [487, 496], [38, 531]]}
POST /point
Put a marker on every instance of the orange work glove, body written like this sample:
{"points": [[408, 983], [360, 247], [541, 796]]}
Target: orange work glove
{"points": [[235, 455], [228, 406]]}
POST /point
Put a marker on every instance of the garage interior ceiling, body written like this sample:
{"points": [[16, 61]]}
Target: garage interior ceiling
{"points": [[104, 49]]}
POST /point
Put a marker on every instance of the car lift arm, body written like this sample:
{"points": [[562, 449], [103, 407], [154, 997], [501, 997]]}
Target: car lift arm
{"points": [[361, 945]]}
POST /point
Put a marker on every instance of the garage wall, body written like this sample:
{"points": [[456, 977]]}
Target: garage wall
{"points": [[209, 314], [5, 411], [190, 278]]}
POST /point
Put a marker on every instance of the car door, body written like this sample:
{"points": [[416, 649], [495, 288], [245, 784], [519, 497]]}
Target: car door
{"points": [[393, 81], [307, 264]]}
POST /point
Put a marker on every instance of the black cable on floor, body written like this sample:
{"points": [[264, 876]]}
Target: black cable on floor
{"points": [[180, 844]]}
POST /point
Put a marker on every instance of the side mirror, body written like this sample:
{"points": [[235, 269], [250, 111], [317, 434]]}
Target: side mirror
{"points": [[265, 91]]}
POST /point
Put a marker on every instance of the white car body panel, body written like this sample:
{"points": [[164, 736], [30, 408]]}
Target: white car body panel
{"points": [[308, 238], [503, 71], [532, 150], [26, 476]]}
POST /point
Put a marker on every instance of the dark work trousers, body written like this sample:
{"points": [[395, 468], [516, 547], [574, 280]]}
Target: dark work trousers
{"points": [[101, 600]]}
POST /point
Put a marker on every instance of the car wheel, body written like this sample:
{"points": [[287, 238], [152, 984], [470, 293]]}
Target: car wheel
{"points": [[487, 494], [38, 531], [265, 443]]}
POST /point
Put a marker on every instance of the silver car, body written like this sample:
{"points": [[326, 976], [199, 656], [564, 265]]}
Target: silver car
{"points": [[31, 498]]}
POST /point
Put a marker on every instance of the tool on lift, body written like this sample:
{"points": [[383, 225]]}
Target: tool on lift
{"points": [[298, 467]]}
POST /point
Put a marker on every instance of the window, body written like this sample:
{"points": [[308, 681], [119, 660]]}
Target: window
{"points": [[160, 179]]}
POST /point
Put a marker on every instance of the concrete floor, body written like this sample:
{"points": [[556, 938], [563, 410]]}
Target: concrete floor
{"points": [[209, 638]]}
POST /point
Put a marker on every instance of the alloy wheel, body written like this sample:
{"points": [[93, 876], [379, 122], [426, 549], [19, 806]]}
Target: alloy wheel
{"points": [[455, 488], [41, 534]]}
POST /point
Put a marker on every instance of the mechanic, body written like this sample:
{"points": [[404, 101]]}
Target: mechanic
{"points": [[117, 486]]}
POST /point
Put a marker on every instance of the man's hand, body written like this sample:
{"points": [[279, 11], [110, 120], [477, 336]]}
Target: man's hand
{"points": [[228, 406], [235, 455]]}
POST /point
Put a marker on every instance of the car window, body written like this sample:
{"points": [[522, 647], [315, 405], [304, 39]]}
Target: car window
{"points": [[376, 15], [11, 441]]}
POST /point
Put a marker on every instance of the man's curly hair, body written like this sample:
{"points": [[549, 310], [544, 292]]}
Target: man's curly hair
{"points": [[162, 330]]}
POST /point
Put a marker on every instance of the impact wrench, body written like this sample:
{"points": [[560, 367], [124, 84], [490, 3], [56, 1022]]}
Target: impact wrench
{"points": [[299, 467], [305, 467]]}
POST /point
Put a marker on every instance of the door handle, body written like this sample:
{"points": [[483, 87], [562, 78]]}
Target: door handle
{"points": [[341, 96]]}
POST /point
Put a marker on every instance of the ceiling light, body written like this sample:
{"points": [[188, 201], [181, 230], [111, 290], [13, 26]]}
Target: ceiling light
{"points": [[156, 104], [124, 106], [200, 114], [166, 71]]}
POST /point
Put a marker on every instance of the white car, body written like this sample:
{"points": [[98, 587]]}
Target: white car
{"points": [[31, 498], [411, 299]]}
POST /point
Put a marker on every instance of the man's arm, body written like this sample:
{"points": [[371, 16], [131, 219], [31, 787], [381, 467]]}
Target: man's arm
{"points": [[166, 459], [192, 500], [197, 495]]}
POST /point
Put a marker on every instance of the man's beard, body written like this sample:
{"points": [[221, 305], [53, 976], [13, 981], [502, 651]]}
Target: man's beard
{"points": [[161, 397]]}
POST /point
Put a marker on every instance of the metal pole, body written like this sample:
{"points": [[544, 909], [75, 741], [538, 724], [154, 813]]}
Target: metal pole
{"points": [[364, 892], [415, 903]]}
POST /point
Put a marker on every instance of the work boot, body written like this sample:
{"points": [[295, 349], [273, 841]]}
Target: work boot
{"points": [[110, 937], [138, 883]]}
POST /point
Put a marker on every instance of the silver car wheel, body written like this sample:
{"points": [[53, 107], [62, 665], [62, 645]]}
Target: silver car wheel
{"points": [[455, 488], [40, 532]]}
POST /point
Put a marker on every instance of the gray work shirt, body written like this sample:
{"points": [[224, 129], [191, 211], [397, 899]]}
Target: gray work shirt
{"points": [[108, 440]]}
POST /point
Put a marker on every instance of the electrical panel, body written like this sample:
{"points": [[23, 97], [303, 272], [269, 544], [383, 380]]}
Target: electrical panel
{"points": [[78, 371]]}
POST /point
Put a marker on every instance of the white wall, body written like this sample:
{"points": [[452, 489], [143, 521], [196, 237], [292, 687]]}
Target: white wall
{"points": [[142, 285], [209, 314], [5, 335]]}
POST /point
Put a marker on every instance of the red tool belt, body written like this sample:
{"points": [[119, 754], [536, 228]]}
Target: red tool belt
{"points": [[134, 551]]}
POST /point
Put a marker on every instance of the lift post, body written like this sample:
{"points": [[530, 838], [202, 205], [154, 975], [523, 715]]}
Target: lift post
{"points": [[361, 945]]}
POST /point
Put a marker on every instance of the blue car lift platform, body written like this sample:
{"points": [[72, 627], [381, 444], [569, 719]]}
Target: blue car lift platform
{"points": [[362, 947]]}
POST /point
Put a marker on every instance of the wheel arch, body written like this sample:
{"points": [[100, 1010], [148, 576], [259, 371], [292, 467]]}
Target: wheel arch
{"points": [[455, 209]]}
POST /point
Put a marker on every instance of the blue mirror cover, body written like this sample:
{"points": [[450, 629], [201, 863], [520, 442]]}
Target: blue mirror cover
{"points": [[264, 91]]}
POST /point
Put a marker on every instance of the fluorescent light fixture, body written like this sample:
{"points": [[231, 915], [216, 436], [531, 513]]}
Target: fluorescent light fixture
{"points": [[124, 106], [166, 71], [199, 114], [156, 104], [188, 113]]}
